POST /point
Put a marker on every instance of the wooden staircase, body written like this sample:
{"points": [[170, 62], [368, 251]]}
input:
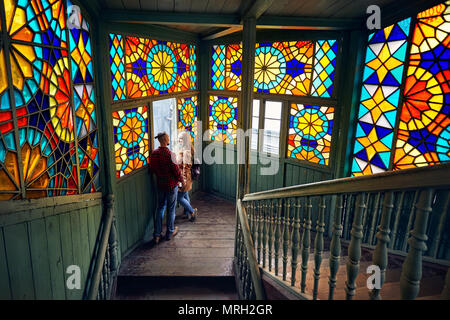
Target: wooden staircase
{"points": [[195, 265]]}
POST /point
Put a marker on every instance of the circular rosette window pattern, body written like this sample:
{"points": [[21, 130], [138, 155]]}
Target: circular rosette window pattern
{"points": [[131, 130], [270, 68], [223, 113], [59, 91], [187, 113], [162, 67]]}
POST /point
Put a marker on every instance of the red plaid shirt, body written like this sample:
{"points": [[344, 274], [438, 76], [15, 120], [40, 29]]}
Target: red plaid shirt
{"points": [[167, 173]]}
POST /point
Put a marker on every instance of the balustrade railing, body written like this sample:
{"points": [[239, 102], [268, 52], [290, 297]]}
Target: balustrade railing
{"points": [[104, 264], [402, 212]]}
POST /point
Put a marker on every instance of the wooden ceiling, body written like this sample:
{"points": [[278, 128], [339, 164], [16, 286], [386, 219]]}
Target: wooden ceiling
{"points": [[320, 9]]}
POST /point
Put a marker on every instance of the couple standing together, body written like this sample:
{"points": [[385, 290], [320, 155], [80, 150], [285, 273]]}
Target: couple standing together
{"points": [[174, 181]]}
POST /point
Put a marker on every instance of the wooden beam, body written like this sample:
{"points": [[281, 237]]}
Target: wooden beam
{"points": [[257, 9], [245, 106], [308, 23], [213, 20], [223, 33], [230, 20]]}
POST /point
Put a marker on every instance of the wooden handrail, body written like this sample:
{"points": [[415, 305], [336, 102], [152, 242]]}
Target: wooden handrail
{"points": [[251, 256], [433, 176]]}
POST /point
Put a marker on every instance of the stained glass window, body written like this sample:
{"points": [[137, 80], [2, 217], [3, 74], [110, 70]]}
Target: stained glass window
{"points": [[226, 67], [380, 93], [283, 67], [280, 67], [324, 66], [187, 115], [117, 63], [131, 139], [310, 131], [142, 67], [53, 150], [424, 129], [223, 118]]}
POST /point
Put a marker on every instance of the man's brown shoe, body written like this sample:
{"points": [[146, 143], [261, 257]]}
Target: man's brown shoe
{"points": [[157, 239], [174, 233]]}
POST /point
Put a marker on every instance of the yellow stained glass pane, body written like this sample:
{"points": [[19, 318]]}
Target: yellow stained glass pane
{"points": [[3, 76]]}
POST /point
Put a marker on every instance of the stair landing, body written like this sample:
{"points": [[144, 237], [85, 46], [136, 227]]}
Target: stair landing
{"points": [[203, 248]]}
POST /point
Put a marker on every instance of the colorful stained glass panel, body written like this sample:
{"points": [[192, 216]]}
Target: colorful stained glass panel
{"points": [[284, 67], [131, 139], [380, 94], [223, 118], [53, 92], [157, 67], [187, 115], [324, 67], [310, 132], [424, 128], [117, 63]]}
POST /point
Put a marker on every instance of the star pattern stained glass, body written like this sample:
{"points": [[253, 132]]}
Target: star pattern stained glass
{"points": [[187, 115], [424, 129], [380, 93], [158, 67], [117, 64], [131, 145], [324, 68], [284, 67], [226, 67], [39, 156], [310, 132], [223, 118]]}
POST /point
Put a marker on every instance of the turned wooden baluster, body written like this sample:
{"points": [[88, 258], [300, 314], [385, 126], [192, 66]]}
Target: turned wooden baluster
{"points": [[305, 243], [398, 213], [373, 222], [295, 239], [335, 247], [270, 237], [354, 249], [260, 227], [277, 233], [446, 291], [442, 210], [410, 220], [412, 267], [347, 211], [265, 222], [318, 245], [380, 255], [287, 212]]}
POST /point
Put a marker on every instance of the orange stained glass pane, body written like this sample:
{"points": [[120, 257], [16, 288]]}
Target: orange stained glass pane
{"points": [[11, 181]]}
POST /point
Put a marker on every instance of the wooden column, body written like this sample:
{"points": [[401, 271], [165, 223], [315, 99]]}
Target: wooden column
{"points": [[245, 106]]}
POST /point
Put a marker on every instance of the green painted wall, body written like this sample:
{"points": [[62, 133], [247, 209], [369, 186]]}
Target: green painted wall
{"points": [[37, 245]]}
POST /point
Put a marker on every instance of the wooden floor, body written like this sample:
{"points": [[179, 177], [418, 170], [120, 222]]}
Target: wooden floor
{"points": [[201, 248]]}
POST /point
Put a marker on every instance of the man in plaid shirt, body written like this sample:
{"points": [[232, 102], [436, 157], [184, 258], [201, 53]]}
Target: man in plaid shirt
{"points": [[168, 176]]}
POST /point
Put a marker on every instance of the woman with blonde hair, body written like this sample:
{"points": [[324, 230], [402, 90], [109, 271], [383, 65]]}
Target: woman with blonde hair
{"points": [[185, 159]]}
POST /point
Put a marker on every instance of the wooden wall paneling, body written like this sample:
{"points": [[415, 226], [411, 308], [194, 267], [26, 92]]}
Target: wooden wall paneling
{"points": [[84, 243], [5, 288], [67, 250], [55, 257], [40, 259], [19, 262], [76, 247]]}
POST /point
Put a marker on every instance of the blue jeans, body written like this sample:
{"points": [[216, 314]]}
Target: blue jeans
{"points": [[169, 200], [183, 199]]}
